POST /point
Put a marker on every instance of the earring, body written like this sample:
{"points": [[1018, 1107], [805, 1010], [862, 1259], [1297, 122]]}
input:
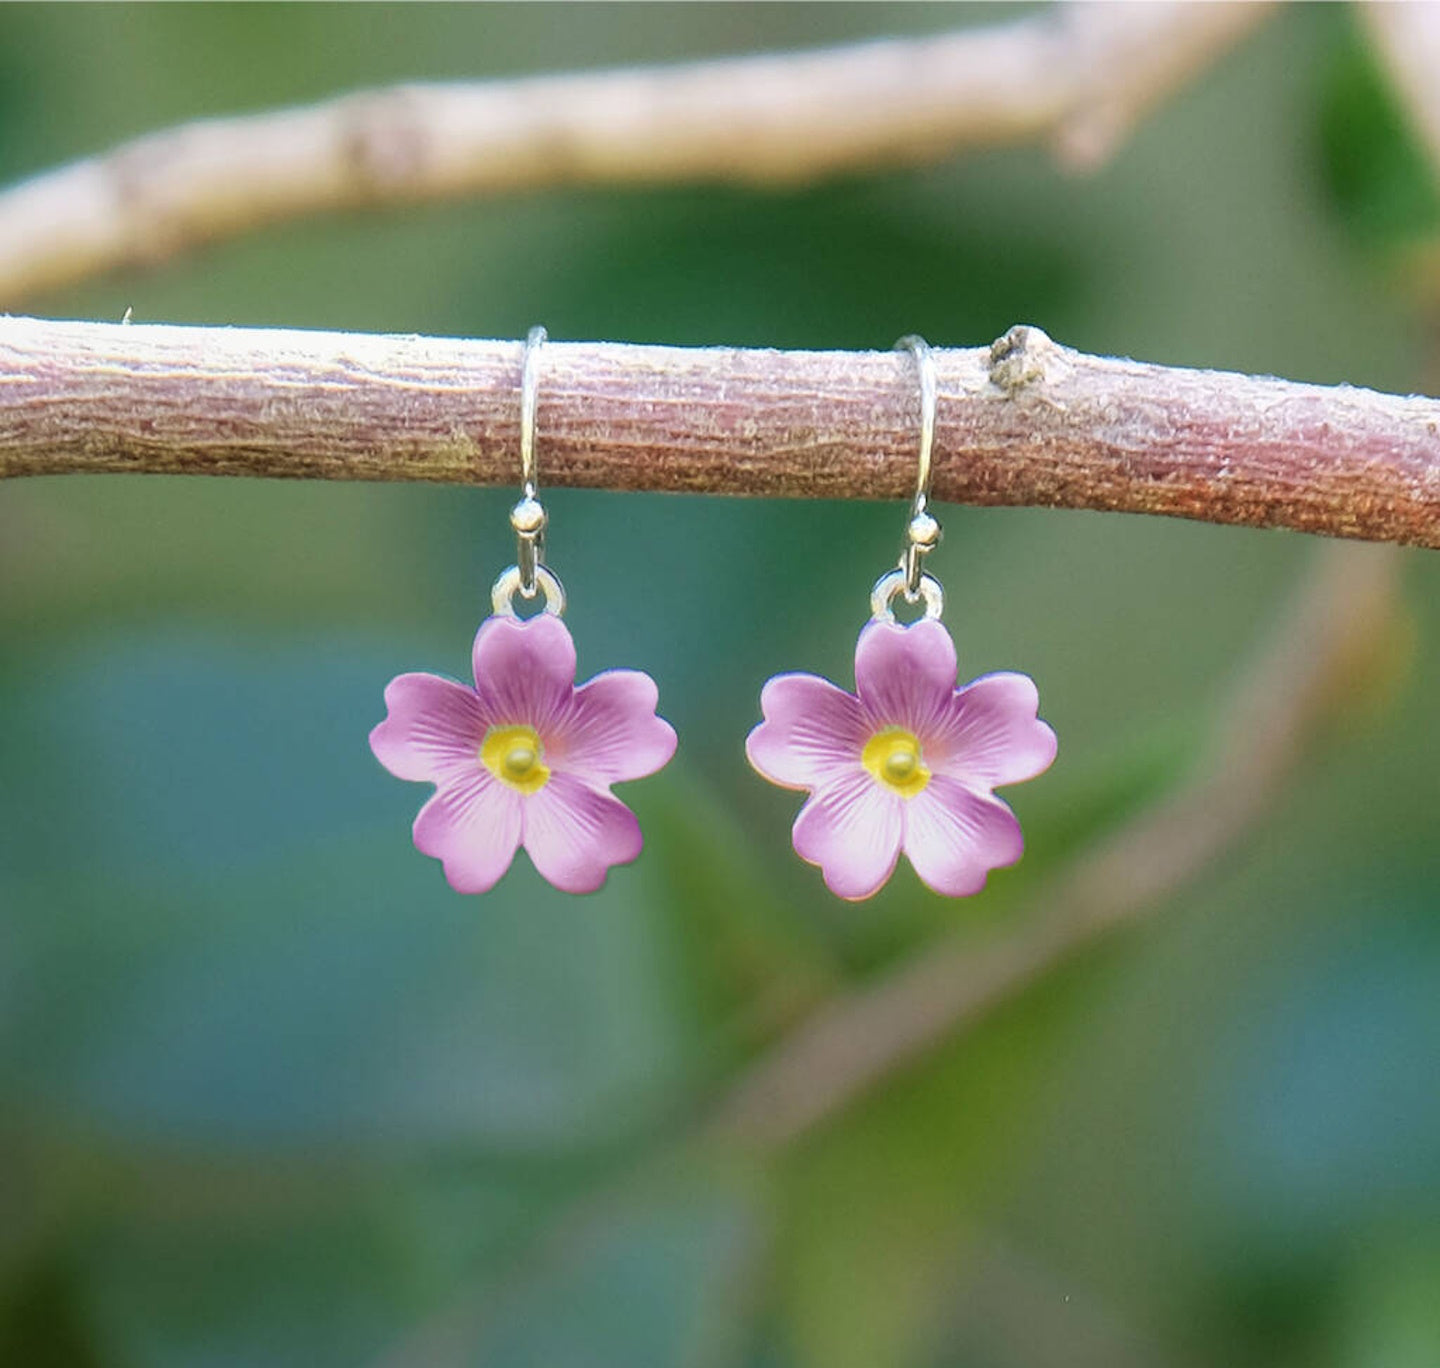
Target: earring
{"points": [[524, 758], [907, 762]]}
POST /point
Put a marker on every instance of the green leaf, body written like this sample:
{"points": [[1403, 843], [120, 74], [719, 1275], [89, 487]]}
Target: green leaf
{"points": [[879, 1203], [746, 956], [1376, 171], [659, 1277]]}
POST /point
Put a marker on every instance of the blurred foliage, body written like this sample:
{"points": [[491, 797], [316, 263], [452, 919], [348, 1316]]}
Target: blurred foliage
{"points": [[271, 1095], [1381, 181]]}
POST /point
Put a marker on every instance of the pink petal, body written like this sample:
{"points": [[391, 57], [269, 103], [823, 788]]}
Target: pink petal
{"points": [[812, 732], [574, 833], [433, 728], [955, 836], [609, 732], [905, 676], [524, 670], [852, 830], [474, 827], [991, 735]]}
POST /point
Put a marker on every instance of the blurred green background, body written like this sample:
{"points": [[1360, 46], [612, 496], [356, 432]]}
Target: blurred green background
{"points": [[270, 1094]]}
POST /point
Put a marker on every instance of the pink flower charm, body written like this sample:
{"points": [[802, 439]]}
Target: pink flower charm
{"points": [[525, 758], [909, 764]]}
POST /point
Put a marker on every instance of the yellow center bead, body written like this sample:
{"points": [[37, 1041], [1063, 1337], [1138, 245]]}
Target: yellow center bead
{"points": [[893, 757], [515, 756]]}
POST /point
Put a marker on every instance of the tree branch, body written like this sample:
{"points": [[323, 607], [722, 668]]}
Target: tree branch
{"points": [[1080, 73], [1321, 657], [1026, 422]]}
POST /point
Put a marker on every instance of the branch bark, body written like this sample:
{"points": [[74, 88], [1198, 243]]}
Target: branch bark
{"points": [[1321, 657], [1025, 422], [1080, 74]]}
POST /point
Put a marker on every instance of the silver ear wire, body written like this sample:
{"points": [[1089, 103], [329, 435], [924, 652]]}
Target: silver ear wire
{"points": [[922, 530], [529, 575], [528, 517]]}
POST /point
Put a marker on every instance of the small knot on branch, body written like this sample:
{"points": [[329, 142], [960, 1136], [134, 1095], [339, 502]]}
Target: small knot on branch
{"points": [[1019, 358]]}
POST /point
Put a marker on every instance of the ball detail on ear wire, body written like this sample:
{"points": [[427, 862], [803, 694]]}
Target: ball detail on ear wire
{"points": [[528, 517], [923, 530]]}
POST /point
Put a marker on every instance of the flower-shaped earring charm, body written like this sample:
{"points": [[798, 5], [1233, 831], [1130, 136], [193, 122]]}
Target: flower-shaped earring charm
{"points": [[907, 762], [524, 757]]}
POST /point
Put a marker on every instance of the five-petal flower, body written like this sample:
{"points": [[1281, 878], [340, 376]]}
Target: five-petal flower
{"points": [[908, 762], [524, 757]]}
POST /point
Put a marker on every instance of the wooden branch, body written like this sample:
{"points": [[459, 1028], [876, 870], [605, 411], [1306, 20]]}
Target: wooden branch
{"points": [[1023, 422], [1316, 663], [1080, 74]]}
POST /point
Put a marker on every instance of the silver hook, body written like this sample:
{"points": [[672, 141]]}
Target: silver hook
{"points": [[529, 575], [529, 394], [528, 517], [922, 531]]}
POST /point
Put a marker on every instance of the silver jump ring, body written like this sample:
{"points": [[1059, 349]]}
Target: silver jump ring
{"points": [[893, 583], [511, 582]]}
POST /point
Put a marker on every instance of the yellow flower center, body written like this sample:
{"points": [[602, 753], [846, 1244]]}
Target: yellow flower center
{"points": [[515, 756], [893, 757]]}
